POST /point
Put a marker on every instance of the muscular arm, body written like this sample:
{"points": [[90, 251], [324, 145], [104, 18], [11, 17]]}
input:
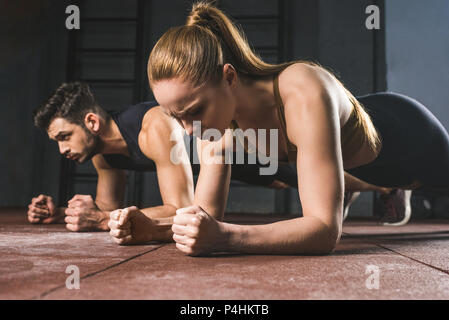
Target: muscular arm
{"points": [[212, 187], [313, 125], [110, 186], [161, 140]]}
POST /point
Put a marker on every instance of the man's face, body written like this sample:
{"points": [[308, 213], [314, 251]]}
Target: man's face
{"points": [[75, 142]]}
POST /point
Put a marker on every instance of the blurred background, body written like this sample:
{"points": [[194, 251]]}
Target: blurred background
{"points": [[409, 54]]}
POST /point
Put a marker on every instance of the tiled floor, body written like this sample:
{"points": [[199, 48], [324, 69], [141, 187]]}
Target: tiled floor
{"points": [[371, 262]]}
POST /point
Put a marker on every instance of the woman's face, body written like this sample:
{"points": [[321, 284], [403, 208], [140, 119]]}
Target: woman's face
{"points": [[213, 105]]}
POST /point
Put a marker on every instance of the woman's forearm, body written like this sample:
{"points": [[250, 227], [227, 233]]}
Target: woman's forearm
{"points": [[306, 235], [212, 190], [164, 211]]}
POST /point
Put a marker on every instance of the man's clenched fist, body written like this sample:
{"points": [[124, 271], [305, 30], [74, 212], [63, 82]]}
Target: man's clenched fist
{"points": [[83, 214], [42, 210]]}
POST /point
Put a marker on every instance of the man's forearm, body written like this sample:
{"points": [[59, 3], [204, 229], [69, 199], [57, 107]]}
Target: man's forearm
{"points": [[162, 221], [104, 213], [60, 215], [162, 230], [93, 217]]}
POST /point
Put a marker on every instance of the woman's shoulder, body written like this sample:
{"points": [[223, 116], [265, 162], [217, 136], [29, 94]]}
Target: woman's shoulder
{"points": [[302, 79], [304, 73]]}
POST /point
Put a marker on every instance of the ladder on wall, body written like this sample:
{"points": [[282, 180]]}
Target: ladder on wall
{"points": [[75, 178]]}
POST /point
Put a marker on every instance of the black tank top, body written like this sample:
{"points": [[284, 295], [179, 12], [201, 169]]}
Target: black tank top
{"points": [[129, 122]]}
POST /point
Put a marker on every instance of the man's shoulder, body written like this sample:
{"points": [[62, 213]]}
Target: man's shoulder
{"points": [[140, 108], [155, 121], [156, 132]]}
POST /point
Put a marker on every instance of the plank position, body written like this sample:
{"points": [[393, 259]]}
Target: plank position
{"points": [[206, 71], [138, 138]]}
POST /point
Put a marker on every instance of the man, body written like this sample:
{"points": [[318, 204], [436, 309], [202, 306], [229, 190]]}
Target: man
{"points": [[138, 138]]}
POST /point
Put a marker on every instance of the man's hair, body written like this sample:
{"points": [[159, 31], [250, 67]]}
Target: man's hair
{"points": [[71, 101]]}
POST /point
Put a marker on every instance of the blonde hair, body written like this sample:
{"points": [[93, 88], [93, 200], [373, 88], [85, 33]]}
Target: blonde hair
{"points": [[198, 51]]}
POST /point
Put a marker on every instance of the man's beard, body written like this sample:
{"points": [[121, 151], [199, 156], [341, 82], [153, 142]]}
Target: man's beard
{"points": [[93, 146]]}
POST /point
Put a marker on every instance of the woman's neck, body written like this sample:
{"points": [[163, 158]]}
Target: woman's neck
{"points": [[255, 100]]}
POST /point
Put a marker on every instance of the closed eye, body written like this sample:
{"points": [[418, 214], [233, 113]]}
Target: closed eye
{"points": [[62, 136], [196, 112]]}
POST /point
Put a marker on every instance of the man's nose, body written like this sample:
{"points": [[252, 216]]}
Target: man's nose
{"points": [[63, 149]]}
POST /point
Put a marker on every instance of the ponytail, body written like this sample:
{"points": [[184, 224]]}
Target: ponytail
{"points": [[234, 44], [198, 50]]}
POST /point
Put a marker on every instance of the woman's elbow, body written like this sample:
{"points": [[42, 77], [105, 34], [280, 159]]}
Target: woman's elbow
{"points": [[324, 244], [333, 238], [330, 238]]}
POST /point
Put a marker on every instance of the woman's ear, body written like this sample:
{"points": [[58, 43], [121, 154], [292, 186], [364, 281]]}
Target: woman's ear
{"points": [[229, 74]]}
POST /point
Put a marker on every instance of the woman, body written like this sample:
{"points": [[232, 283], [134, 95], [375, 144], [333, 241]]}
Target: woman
{"points": [[205, 71]]}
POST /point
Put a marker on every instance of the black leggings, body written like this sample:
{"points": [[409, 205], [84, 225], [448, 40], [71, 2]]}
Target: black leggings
{"points": [[415, 145]]}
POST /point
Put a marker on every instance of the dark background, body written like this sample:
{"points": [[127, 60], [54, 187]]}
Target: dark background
{"points": [[409, 54]]}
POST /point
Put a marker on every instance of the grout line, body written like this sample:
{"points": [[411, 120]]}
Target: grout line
{"points": [[402, 255], [413, 259], [45, 293]]}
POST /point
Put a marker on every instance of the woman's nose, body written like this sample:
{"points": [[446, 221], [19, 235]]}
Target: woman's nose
{"points": [[188, 127]]}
